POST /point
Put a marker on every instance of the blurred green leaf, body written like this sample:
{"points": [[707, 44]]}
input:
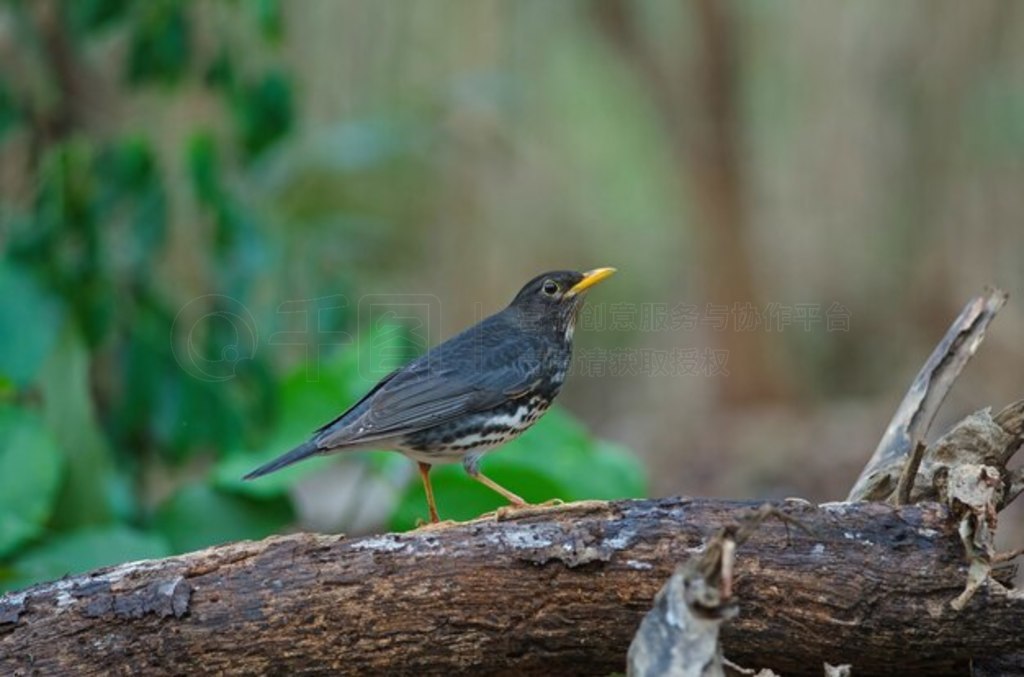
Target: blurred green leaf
{"points": [[131, 188], [64, 197], [270, 18], [199, 516], [128, 166], [84, 550], [204, 168], [149, 226], [30, 319], [192, 414], [170, 404], [616, 473], [220, 74], [231, 224], [312, 395], [92, 15], [30, 472], [203, 394], [237, 237], [88, 492], [263, 112], [63, 240], [10, 113], [160, 43]]}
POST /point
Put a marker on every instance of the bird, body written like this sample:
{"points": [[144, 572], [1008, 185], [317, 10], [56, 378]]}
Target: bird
{"points": [[469, 394]]}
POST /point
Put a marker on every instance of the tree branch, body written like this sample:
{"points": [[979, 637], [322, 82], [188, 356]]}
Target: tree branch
{"points": [[548, 591]]}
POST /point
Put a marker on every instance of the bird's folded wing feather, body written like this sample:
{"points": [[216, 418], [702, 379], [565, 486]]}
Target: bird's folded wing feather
{"points": [[432, 392]]}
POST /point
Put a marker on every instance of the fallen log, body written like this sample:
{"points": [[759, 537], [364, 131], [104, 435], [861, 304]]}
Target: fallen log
{"points": [[546, 591]]}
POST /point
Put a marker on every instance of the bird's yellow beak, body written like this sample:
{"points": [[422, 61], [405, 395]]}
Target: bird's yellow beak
{"points": [[590, 278]]}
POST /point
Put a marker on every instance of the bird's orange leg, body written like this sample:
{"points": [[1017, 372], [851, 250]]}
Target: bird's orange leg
{"points": [[425, 474], [494, 486]]}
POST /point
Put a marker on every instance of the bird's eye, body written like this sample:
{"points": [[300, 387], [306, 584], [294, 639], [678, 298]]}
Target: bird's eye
{"points": [[550, 287]]}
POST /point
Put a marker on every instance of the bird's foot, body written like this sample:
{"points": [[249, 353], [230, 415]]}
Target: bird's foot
{"points": [[550, 503], [520, 509]]}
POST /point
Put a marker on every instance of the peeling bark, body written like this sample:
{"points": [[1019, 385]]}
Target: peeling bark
{"points": [[551, 591]]}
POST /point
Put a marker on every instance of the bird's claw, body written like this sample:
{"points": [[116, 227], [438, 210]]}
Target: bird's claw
{"points": [[422, 525], [525, 508]]}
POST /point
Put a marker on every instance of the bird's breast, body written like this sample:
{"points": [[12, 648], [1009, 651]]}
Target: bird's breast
{"points": [[477, 432]]}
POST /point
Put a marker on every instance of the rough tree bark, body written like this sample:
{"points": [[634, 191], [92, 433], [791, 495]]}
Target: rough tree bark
{"points": [[555, 591]]}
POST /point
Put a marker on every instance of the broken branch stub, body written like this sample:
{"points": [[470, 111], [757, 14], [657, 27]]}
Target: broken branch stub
{"points": [[917, 410], [679, 636], [967, 468], [978, 440]]}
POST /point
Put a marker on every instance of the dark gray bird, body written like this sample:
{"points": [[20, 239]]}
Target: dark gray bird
{"points": [[473, 392]]}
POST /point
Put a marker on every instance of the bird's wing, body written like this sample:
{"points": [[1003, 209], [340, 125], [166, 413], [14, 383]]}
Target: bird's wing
{"points": [[433, 391], [358, 408]]}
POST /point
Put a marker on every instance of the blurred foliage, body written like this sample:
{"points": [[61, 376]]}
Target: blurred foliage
{"points": [[129, 406], [30, 471]]}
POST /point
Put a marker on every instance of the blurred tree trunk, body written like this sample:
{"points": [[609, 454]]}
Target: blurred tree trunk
{"points": [[701, 117]]}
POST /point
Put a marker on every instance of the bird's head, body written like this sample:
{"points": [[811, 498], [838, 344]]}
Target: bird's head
{"points": [[553, 299]]}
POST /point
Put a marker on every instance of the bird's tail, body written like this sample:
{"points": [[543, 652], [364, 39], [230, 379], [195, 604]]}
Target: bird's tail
{"points": [[304, 450]]}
